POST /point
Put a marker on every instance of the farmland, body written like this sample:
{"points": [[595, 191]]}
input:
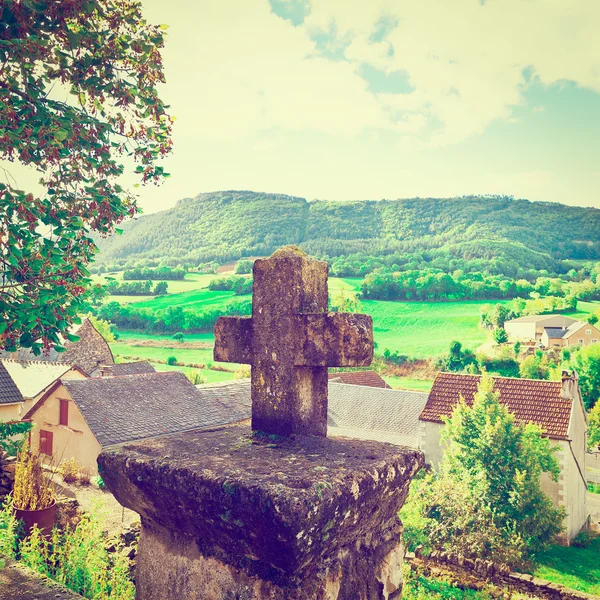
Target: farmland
{"points": [[415, 329]]}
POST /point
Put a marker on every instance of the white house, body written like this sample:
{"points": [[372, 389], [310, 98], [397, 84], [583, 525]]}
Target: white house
{"points": [[555, 406]]}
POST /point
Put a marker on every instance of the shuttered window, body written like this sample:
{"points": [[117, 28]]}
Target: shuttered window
{"points": [[46, 439], [64, 412]]}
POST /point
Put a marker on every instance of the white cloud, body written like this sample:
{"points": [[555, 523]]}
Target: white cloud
{"points": [[235, 68]]}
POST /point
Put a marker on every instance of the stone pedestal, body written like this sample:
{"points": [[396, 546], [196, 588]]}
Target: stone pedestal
{"points": [[232, 514]]}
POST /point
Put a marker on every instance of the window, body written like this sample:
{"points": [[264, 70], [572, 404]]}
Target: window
{"points": [[588, 332], [46, 439], [580, 342], [64, 412], [594, 341]]}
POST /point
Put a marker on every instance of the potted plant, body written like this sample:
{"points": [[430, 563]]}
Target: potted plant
{"points": [[34, 499]]}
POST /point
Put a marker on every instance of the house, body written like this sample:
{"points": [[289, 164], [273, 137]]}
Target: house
{"points": [[33, 377], [11, 399], [128, 368], [366, 378], [579, 333], [532, 327], [555, 406], [91, 351], [76, 418]]}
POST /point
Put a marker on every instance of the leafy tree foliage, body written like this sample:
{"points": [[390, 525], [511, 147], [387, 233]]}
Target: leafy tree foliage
{"points": [[136, 288], [486, 501], [458, 359], [488, 235], [159, 273], [594, 428], [105, 328], [535, 366], [107, 58], [586, 361], [243, 267], [500, 336]]}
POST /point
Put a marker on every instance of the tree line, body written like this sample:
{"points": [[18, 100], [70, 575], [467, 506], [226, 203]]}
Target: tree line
{"points": [[136, 288], [159, 273]]}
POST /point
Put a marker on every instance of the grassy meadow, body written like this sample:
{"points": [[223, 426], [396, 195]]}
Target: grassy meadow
{"points": [[416, 329]]}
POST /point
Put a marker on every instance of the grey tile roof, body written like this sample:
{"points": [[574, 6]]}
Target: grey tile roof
{"points": [[131, 407], [128, 368], [9, 392], [556, 333], [379, 414], [356, 411], [32, 377]]}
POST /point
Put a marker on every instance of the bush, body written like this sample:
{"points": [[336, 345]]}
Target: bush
{"points": [[242, 372], [500, 336], [178, 337], [171, 360], [85, 477], [69, 470], [196, 378], [243, 266]]}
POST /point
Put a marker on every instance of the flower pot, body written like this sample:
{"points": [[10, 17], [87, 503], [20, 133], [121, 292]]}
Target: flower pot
{"points": [[43, 519]]}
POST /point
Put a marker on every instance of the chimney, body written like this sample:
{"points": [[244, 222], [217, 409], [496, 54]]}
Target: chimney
{"points": [[105, 370], [570, 385]]}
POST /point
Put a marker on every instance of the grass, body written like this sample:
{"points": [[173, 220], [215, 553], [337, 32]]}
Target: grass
{"points": [[417, 329], [406, 383], [576, 568]]}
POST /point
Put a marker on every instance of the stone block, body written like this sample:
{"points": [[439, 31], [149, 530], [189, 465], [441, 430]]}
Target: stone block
{"points": [[233, 514]]}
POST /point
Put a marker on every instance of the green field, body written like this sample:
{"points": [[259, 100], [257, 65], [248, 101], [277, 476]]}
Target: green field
{"points": [[416, 329]]}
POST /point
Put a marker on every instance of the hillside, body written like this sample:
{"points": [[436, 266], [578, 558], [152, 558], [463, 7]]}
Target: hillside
{"points": [[227, 225]]}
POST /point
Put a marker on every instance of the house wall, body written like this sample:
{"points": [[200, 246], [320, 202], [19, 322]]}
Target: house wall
{"points": [[588, 338], [73, 441], [429, 442], [565, 492], [11, 412], [574, 469], [520, 331], [70, 374], [549, 342]]}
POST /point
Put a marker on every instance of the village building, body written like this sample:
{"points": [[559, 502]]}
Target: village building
{"points": [[555, 406], [77, 418], [88, 353], [11, 399], [367, 378], [579, 333], [33, 377], [551, 331]]}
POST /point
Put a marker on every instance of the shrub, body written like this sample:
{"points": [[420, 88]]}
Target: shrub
{"points": [[171, 360], [85, 477], [8, 529], [196, 377], [69, 470], [178, 337], [32, 489], [242, 372], [500, 336], [244, 266]]}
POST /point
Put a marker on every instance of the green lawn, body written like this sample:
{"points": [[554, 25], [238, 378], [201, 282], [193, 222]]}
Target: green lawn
{"points": [[577, 568], [211, 376], [406, 383]]}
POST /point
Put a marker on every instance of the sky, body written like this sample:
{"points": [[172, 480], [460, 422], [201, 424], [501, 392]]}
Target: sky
{"points": [[371, 99]]}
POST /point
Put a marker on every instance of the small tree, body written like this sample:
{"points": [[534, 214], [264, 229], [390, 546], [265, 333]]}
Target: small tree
{"points": [[171, 360], [500, 336], [161, 288], [517, 349], [586, 361], [244, 266], [593, 436], [178, 337], [592, 319], [488, 487], [535, 367]]}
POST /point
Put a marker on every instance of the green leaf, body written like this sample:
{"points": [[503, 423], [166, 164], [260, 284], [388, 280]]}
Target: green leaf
{"points": [[3, 327], [61, 135], [59, 348], [72, 338]]}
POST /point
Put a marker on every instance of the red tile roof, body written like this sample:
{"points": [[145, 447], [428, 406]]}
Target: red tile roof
{"points": [[531, 401], [368, 378]]}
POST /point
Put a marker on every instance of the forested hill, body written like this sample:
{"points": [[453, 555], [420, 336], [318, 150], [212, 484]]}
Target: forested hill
{"points": [[227, 225]]}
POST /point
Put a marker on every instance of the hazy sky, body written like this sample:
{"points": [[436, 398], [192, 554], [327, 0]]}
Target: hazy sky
{"points": [[349, 99]]}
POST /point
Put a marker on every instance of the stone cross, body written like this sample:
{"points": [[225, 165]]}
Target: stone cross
{"points": [[290, 340]]}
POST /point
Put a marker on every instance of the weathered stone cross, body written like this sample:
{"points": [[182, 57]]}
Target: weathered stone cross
{"points": [[290, 340]]}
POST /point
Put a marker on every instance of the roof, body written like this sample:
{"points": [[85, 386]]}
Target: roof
{"points": [[128, 368], [555, 333], [9, 392], [539, 319], [230, 401], [356, 411], [33, 377], [132, 407], [367, 413], [530, 400], [365, 378]]}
